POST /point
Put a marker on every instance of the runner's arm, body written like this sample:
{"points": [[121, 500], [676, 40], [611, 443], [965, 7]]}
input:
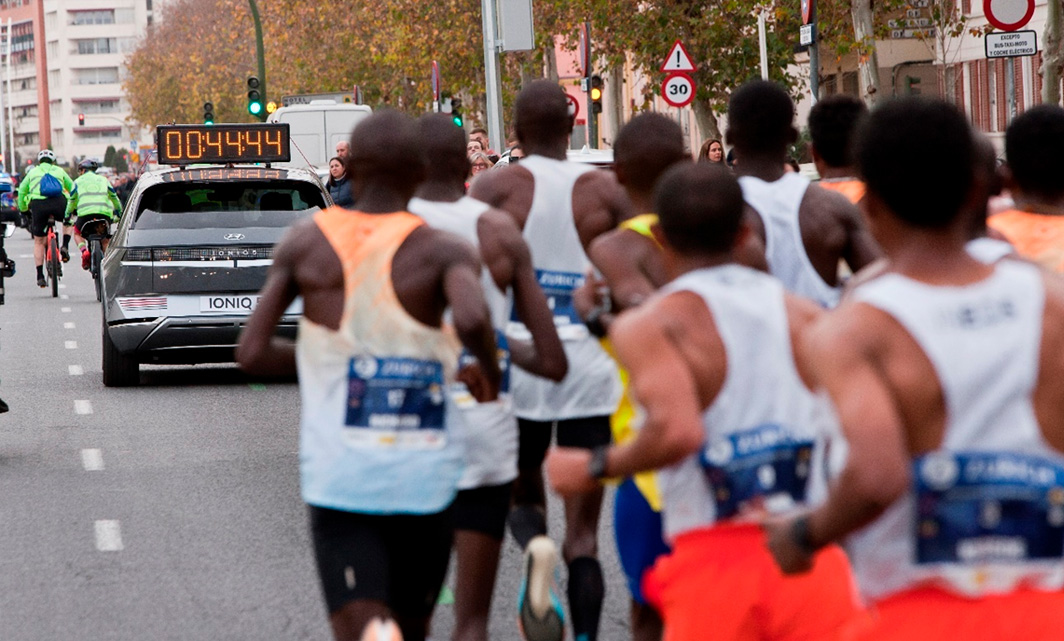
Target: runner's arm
{"points": [[510, 262], [861, 247], [113, 195], [72, 202], [469, 312], [877, 467], [259, 351]]}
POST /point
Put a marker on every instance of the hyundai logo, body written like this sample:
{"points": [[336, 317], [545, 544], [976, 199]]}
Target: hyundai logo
{"points": [[234, 236]]}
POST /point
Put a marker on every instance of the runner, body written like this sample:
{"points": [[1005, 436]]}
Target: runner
{"points": [[711, 364], [632, 267], [379, 465], [806, 229], [946, 374], [490, 429], [561, 207], [1035, 226], [832, 123]]}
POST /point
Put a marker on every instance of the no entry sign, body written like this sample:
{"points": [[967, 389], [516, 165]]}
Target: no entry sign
{"points": [[1008, 15]]}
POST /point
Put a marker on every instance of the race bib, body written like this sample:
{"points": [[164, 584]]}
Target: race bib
{"points": [[984, 507], [758, 470], [462, 395], [558, 287], [395, 402]]}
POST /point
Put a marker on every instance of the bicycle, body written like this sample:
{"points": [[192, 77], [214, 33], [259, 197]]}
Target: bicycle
{"points": [[51, 257], [95, 231]]}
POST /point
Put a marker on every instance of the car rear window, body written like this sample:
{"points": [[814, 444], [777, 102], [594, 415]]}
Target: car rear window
{"points": [[194, 205]]}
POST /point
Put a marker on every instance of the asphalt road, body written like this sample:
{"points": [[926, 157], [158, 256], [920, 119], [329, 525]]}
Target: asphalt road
{"points": [[167, 511]]}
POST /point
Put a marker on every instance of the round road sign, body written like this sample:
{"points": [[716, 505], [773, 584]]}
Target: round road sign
{"points": [[678, 89], [574, 105], [1008, 15]]}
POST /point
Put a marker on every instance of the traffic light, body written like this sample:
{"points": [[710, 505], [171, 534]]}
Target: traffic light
{"points": [[255, 106], [271, 107], [912, 85], [208, 113], [596, 94], [81, 120], [456, 112]]}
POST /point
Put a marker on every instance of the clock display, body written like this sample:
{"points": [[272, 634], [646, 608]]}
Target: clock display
{"points": [[221, 143]]}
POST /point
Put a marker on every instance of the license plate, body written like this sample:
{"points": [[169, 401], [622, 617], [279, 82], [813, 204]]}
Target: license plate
{"points": [[228, 304]]}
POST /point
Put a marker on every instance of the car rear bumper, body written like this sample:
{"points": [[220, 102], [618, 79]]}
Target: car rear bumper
{"points": [[186, 340]]}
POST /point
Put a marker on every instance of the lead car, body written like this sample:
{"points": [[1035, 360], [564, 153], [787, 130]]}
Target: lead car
{"points": [[188, 259]]}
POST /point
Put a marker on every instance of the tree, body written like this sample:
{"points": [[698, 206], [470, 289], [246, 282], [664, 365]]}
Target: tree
{"points": [[121, 162], [109, 156], [1053, 56]]}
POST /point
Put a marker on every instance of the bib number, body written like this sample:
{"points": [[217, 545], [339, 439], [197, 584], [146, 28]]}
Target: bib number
{"points": [[976, 507], [558, 287], [395, 402], [761, 470]]}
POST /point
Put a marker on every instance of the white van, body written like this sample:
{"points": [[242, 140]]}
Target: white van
{"points": [[315, 129]]}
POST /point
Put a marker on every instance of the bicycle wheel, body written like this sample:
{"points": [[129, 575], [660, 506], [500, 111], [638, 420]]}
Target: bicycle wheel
{"points": [[94, 266], [53, 263]]}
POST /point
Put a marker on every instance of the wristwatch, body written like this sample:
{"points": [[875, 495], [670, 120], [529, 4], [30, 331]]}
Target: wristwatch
{"points": [[596, 467]]}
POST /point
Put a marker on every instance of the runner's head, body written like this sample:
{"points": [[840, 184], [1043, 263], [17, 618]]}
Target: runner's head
{"points": [[1033, 144], [541, 115], [760, 117], [832, 123], [986, 182], [444, 146], [916, 157], [385, 150], [700, 209], [645, 147]]}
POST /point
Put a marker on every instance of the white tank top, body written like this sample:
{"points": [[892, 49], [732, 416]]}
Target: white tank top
{"points": [[765, 432], [592, 386], [374, 437], [489, 429], [777, 204], [985, 513], [989, 250]]}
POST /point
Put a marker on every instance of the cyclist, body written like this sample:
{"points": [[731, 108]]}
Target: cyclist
{"points": [[92, 198], [43, 194]]}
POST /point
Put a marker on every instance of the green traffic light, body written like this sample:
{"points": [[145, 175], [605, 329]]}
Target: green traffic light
{"points": [[208, 122], [457, 121], [255, 108]]}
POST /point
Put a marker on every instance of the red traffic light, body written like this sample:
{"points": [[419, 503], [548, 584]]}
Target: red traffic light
{"points": [[81, 120]]}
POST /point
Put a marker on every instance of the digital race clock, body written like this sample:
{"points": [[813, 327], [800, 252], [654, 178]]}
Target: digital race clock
{"points": [[220, 143]]}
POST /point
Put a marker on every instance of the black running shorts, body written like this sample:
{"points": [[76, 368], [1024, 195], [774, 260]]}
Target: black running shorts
{"points": [[483, 509], [41, 209], [400, 559], [535, 436]]}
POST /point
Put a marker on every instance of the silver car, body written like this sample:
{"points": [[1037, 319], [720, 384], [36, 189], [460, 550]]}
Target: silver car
{"points": [[188, 259]]}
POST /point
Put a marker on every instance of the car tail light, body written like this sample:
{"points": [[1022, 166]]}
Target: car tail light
{"points": [[228, 253]]}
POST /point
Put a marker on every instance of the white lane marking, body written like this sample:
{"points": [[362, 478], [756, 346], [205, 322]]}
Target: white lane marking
{"points": [[65, 310], [108, 536], [64, 296], [62, 286], [83, 407], [70, 344], [75, 370], [68, 325], [92, 460], [25, 255]]}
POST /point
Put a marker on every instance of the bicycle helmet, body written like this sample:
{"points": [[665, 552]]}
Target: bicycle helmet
{"points": [[88, 165], [46, 155]]}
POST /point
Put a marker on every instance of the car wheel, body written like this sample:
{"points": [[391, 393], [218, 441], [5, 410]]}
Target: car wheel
{"points": [[119, 370]]}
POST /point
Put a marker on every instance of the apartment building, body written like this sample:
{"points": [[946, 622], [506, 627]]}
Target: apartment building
{"points": [[67, 60]]}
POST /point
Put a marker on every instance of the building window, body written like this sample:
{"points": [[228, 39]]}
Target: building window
{"points": [[96, 76], [101, 16], [96, 45], [125, 16], [22, 36], [97, 107], [28, 139], [98, 135]]}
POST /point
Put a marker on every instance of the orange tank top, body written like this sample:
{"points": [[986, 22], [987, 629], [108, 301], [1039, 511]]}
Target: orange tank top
{"points": [[853, 189], [1037, 237]]}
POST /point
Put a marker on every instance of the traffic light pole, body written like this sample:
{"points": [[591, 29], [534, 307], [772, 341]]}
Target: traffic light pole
{"points": [[492, 84], [261, 51], [592, 117]]}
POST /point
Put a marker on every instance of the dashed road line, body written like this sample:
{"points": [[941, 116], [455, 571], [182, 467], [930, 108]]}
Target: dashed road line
{"points": [[83, 407], [64, 296], [108, 536], [75, 370], [62, 285], [68, 325], [65, 310], [70, 344], [92, 460]]}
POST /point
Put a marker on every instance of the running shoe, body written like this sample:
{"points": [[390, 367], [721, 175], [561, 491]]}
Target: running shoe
{"points": [[41, 282], [85, 258], [64, 254], [540, 613]]}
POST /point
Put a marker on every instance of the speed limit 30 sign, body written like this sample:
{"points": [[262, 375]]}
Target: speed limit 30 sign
{"points": [[678, 89]]}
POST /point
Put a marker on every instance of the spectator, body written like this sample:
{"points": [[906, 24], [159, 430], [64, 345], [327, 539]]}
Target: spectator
{"points": [[479, 162], [339, 187], [481, 135], [712, 151], [473, 147], [342, 148]]}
